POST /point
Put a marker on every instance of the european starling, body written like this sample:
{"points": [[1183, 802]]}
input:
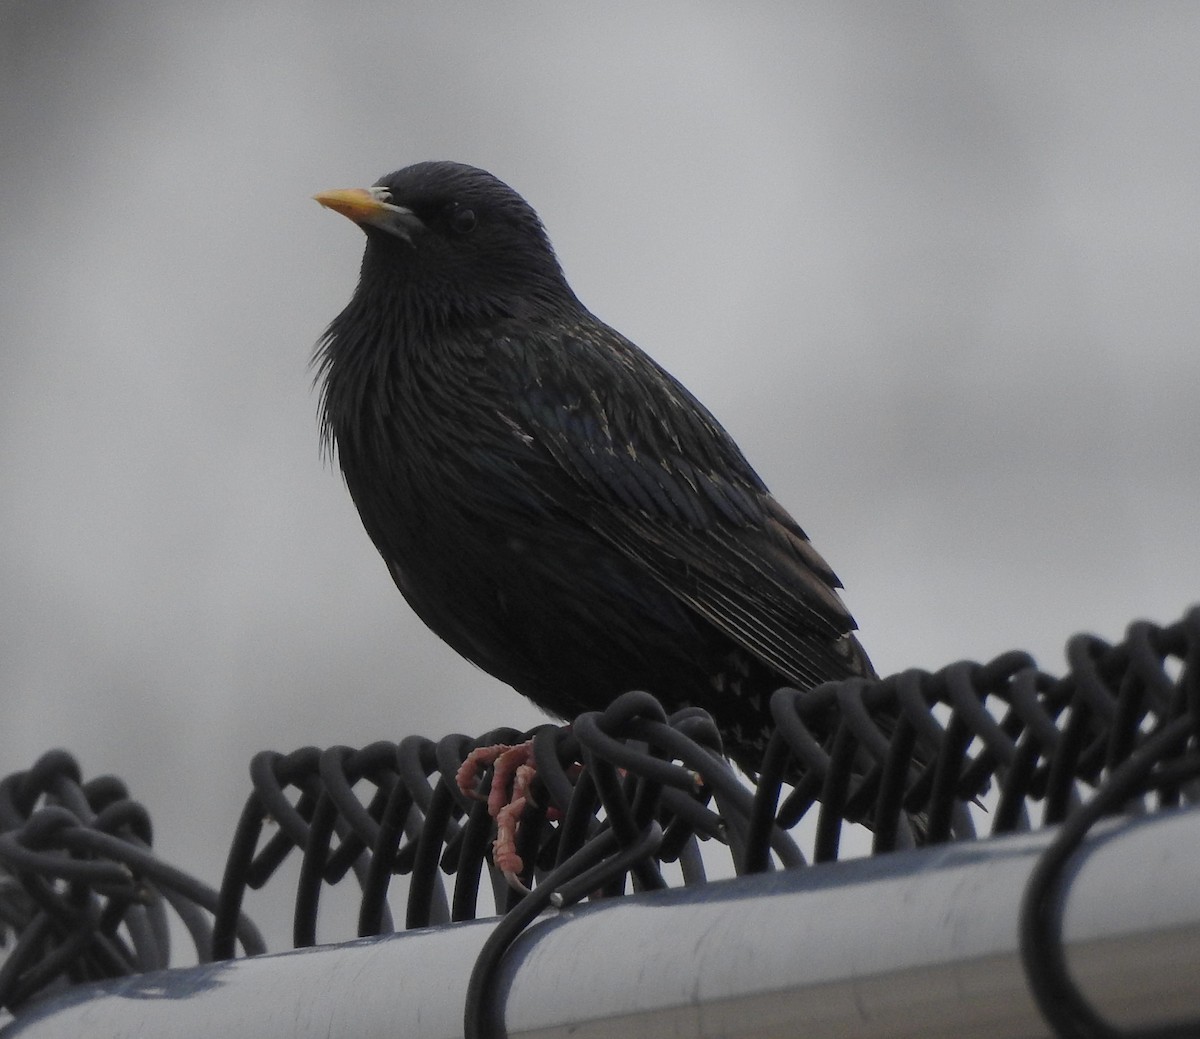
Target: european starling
{"points": [[549, 500]]}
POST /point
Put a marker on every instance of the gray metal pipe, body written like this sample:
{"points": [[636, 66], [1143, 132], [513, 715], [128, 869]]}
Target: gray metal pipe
{"points": [[920, 944]]}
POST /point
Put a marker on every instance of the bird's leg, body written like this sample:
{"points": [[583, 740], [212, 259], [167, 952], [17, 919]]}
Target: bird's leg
{"points": [[513, 768], [507, 811]]}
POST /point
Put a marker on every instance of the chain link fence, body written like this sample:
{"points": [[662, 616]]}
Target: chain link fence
{"points": [[623, 800]]}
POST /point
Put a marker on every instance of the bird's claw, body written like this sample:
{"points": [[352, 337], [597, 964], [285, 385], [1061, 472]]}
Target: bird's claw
{"points": [[512, 773], [467, 777]]}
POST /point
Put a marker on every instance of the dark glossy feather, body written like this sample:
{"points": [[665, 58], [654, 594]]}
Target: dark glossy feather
{"points": [[550, 501]]}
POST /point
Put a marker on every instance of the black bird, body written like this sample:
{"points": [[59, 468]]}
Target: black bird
{"points": [[550, 501]]}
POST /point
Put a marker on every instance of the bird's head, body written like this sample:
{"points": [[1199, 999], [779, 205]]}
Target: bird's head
{"points": [[452, 241]]}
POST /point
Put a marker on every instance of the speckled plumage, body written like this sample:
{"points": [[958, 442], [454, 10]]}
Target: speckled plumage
{"points": [[549, 500]]}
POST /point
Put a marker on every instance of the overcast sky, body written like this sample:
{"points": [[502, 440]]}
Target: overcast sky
{"points": [[934, 266]]}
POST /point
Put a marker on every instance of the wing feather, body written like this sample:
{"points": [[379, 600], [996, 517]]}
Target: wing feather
{"points": [[650, 471]]}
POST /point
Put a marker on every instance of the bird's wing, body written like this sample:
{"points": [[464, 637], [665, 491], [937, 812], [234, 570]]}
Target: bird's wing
{"points": [[645, 465]]}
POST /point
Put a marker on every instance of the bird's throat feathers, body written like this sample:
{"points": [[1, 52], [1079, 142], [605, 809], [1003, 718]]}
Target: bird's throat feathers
{"points": [[422, 291], [395, 351], [408, 323], [361, 363]]}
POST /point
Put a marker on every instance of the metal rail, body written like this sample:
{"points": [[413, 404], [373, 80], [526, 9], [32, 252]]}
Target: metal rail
{"points": [[920, 943]]}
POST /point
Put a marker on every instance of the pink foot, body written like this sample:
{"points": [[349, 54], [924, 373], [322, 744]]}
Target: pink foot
{"points": [[467, 776], [513, 767]]}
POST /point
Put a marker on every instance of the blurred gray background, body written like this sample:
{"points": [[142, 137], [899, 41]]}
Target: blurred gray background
{"points": [[934, 266]]}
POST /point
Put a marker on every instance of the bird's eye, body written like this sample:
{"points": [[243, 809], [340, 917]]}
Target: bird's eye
{"points": [[463, 221]]}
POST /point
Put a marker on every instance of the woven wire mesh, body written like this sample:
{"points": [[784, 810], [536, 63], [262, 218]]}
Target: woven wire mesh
{"points": [[82, 895], [920, 757], [624, 799]]}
